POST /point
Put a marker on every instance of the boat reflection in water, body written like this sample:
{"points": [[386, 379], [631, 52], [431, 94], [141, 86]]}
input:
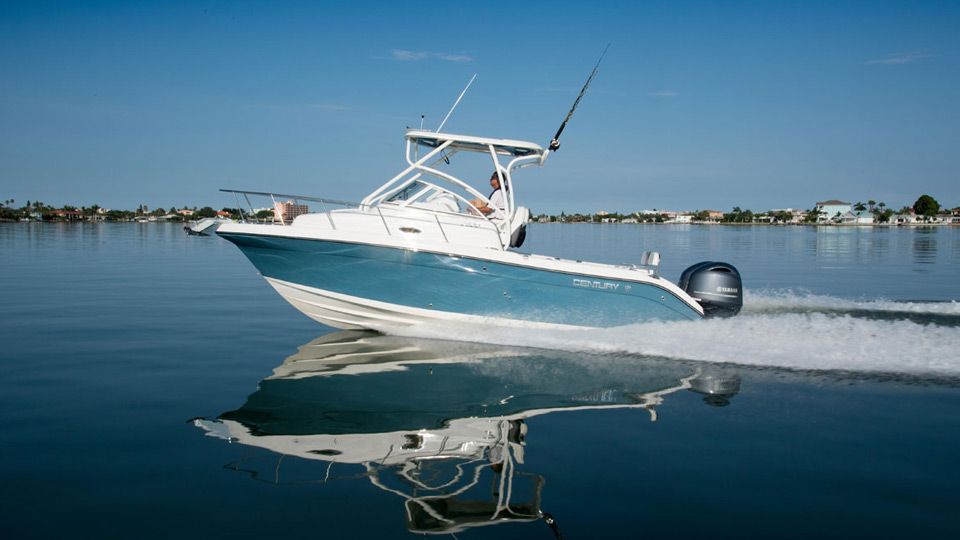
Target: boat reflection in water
{"points": [[440, 424]]}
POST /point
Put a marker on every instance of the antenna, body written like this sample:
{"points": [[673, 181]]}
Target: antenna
{"points": [[555, 143], [421, 122], [456, 103]]}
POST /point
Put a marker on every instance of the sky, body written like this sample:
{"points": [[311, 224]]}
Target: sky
{"points": [[696, 105]]}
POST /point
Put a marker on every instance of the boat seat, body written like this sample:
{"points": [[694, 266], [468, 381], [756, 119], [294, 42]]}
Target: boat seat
{"points": [[441, 202]]}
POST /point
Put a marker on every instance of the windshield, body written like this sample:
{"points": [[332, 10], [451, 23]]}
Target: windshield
{"points": [[408, 193]]}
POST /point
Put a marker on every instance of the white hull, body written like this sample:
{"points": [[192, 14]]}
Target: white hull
{"points": [[354, 313]]}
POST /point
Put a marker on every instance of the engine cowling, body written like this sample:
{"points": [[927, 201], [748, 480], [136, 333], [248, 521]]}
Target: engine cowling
{"points": [[716, 286]]}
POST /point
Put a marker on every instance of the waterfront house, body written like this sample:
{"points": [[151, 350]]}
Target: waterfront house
{"points": [[904, 219], [832, 210], [68, 215], [860, 217], [796, 215]]}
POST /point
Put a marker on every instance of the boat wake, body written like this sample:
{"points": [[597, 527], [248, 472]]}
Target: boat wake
{"points": [[782, 329]]}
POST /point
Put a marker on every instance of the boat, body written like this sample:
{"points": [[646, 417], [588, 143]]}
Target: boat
{"points": [[427, 246], [205, 226], [420, 248], [437, 423]]}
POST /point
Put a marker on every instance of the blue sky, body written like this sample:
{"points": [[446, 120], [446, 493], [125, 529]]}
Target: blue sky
{"points": [[697, 104]]}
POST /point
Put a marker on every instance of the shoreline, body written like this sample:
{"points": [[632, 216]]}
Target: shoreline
{"points": [[698, 223]]}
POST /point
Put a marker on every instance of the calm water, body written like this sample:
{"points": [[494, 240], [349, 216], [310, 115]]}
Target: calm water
{"points": [[152, 385]]}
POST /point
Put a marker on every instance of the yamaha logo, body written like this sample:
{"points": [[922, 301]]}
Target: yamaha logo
{"points": [[727, 289]]}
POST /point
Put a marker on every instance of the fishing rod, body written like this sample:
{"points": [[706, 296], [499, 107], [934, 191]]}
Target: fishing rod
{"points": [[555, 143]]}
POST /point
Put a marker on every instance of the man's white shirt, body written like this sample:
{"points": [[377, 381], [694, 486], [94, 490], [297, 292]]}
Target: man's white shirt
{"points": [[497, 204]]}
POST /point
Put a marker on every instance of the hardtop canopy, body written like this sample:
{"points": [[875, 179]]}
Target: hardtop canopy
{"points": [[504, 147]]}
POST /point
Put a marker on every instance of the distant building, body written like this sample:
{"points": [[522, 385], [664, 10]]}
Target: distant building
{"points": [[860, 217], [832, 209], [289, 210], [797, 215], [186, 212], [69, 215], [904, 219]]}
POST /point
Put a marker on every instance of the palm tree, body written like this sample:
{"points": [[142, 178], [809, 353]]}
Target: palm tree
{"points": [[871, 202]]}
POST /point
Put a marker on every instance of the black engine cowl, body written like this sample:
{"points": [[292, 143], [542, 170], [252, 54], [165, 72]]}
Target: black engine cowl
{"points": [[716, 286]]}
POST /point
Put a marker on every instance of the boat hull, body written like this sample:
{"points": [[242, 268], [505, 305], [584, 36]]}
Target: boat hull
{"points": [[354, 285]]}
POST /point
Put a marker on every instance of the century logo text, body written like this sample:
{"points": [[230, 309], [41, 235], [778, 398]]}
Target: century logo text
{"points": [[577, 282]]}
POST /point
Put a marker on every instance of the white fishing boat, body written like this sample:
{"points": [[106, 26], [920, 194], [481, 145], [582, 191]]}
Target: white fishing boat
{"points": [[429, 246]]}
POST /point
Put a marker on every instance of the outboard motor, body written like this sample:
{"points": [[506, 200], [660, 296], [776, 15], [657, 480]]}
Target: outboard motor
{"points": [[716, 286], [518, 226], [518, 236]]}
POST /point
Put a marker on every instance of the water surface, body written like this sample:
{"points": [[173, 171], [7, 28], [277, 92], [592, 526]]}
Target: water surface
{"points": [[152, 385]]}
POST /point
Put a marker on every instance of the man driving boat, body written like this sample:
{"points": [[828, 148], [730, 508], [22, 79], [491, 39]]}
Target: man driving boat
{"points": [[498, 204]]}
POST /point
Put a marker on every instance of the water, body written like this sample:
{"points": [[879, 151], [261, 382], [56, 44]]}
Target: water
{"points": [[152, 385]]}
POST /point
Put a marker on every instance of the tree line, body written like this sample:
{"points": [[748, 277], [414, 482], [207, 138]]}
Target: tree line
{"points": [[925, 206], [9, 211]]}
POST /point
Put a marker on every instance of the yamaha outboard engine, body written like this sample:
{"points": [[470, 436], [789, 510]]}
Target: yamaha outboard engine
{"points": [[716, 286], [518, 226], [518, 236]]}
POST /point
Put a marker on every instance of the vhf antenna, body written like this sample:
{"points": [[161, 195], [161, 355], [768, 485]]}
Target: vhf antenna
{"points": [[456, 103], [555, 143]]}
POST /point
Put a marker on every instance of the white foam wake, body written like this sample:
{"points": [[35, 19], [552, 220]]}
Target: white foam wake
{"points": [[807, 341]]}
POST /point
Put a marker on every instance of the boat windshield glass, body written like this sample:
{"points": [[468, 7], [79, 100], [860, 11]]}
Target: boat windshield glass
{"points": [[408, 193]]}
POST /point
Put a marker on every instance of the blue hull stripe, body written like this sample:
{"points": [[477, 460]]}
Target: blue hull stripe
{"points": [[455, 284]]}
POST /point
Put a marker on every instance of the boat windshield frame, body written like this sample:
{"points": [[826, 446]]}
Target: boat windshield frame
{"points": [[440, 148]]}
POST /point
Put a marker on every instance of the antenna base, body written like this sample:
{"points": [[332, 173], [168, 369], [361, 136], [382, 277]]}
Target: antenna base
{"points": [[554, 145]]}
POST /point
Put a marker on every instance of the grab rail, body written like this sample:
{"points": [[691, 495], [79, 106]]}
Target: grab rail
{"points": [[398, 210]]}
